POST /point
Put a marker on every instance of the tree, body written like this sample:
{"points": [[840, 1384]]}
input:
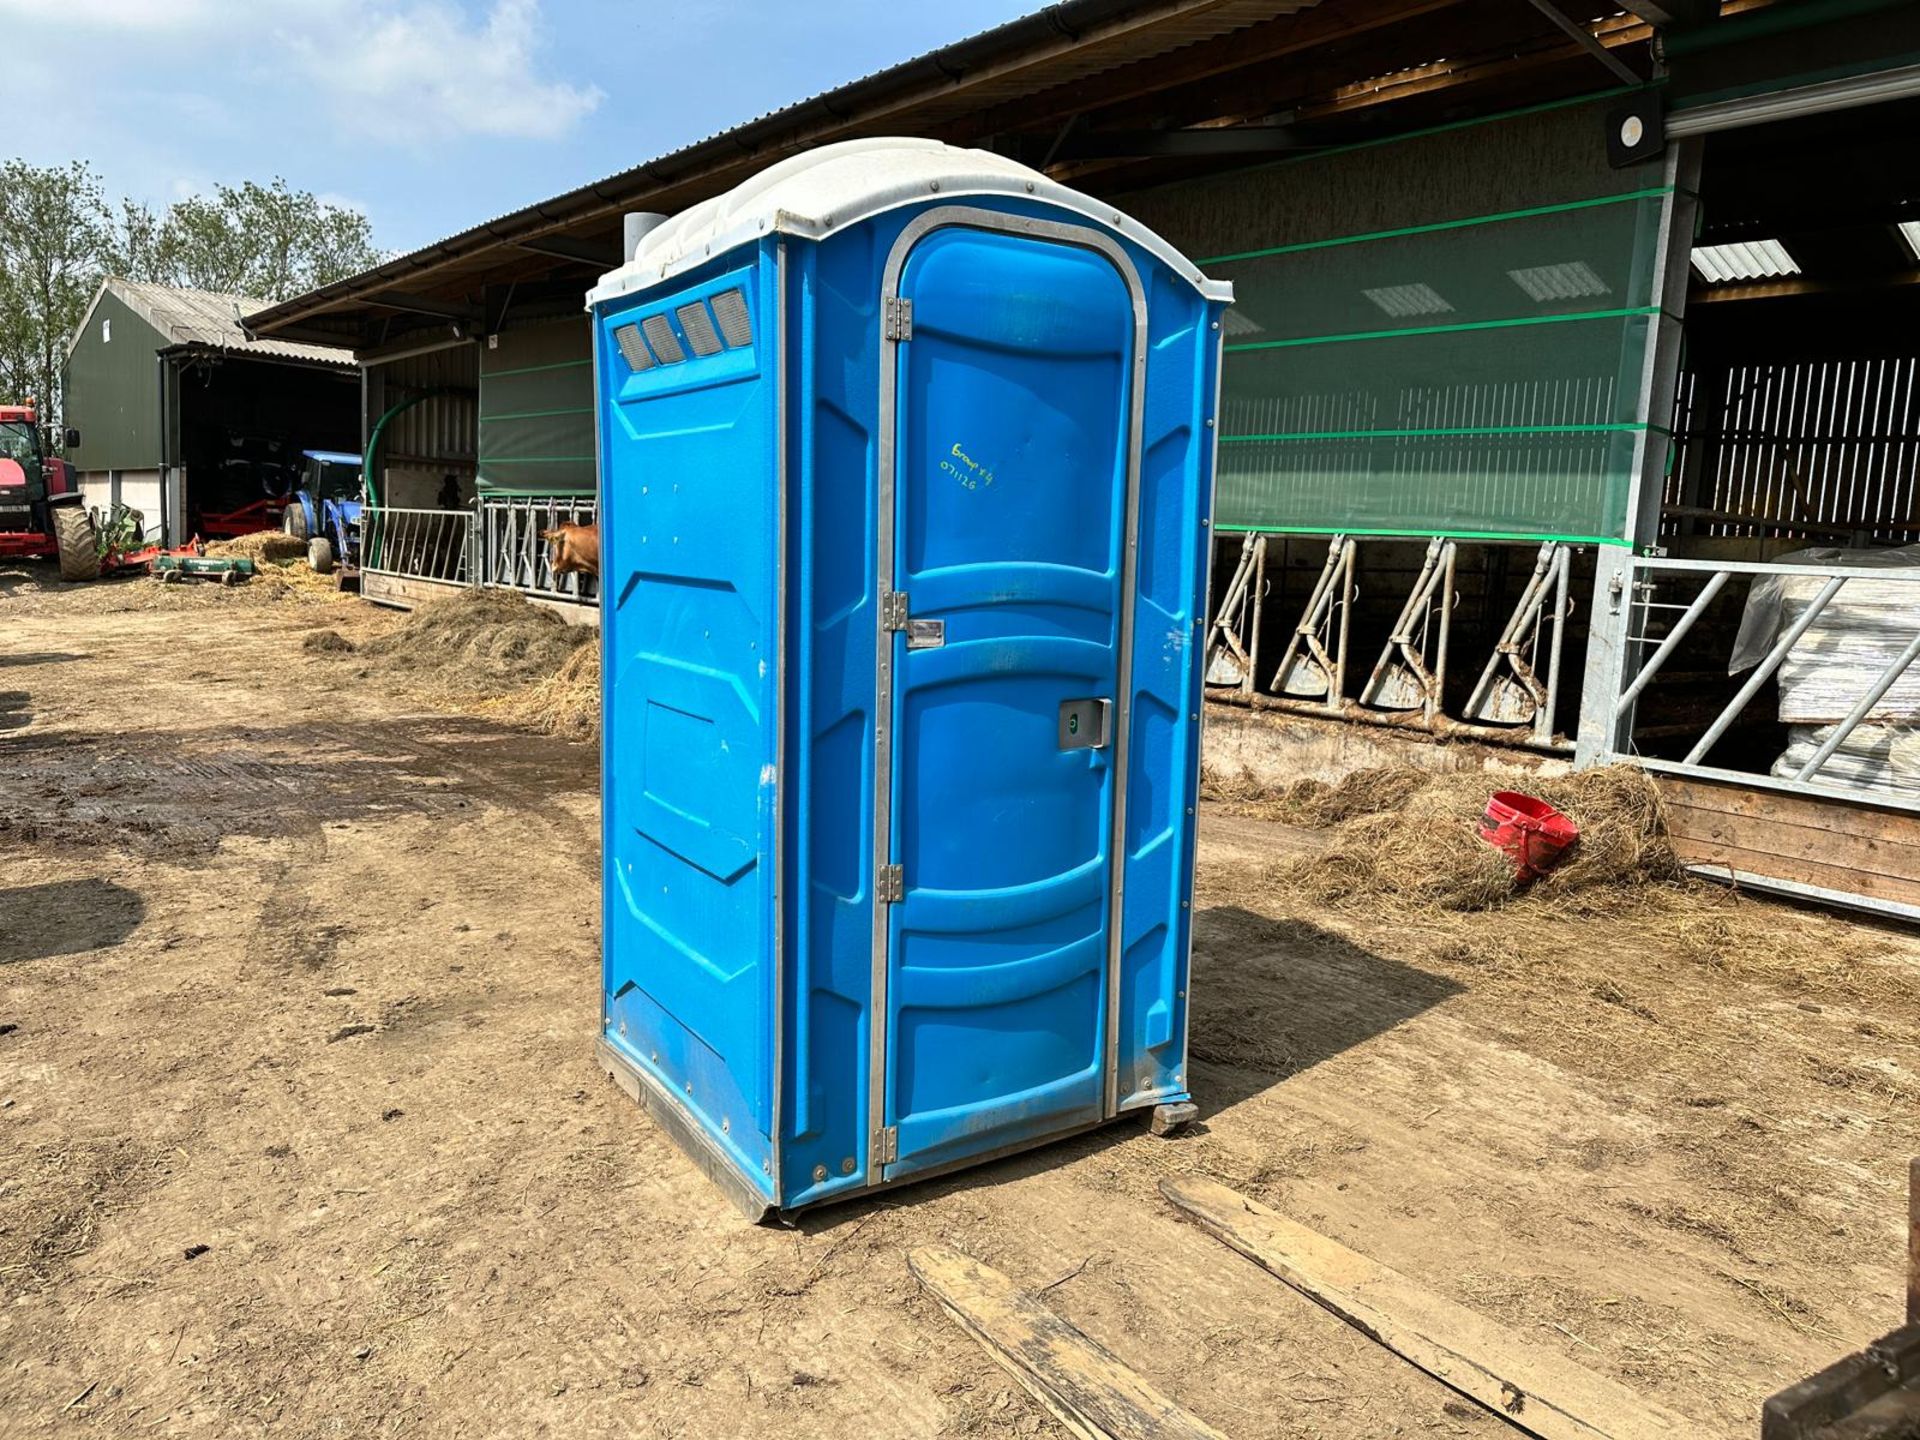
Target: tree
{"points": [[59, 238], [54, 241], [267, 241]]}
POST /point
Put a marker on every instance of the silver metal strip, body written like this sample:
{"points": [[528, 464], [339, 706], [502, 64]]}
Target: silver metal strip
{"points": [[1796, 890], [972, 217], [1196, 695], [778, 330], [1818, 99]]}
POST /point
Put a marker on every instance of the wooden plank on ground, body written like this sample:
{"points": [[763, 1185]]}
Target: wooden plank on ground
{"points": [[1537, 1390], [1086, 1387]]}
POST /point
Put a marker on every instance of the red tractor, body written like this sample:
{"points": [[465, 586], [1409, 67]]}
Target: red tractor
{"points": [[40, 510]]}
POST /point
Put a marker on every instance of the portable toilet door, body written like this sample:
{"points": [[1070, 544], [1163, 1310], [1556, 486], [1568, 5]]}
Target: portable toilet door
{"points": [[892, 417], [1000, 745]]}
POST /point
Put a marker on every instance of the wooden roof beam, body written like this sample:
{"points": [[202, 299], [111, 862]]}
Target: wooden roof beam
{"points": [[1672, 14]]}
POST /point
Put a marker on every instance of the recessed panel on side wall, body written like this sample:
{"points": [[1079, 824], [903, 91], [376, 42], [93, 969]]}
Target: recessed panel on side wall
{"points": [[689, 555]]}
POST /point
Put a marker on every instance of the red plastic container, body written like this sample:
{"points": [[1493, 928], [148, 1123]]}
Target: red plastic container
{"points": [[1535, 834]]}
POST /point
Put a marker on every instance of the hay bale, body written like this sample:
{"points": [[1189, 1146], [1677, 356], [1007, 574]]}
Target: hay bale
{"points": [[1414, 841], [271, 547]]}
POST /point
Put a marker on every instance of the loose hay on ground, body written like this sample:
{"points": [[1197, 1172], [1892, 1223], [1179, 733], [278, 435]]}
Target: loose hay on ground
{"points": [[566, 704], [1411, 837], [481, 644]]}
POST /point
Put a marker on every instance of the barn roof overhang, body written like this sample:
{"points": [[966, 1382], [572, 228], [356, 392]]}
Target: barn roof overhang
{"points": [[1105, 95]]}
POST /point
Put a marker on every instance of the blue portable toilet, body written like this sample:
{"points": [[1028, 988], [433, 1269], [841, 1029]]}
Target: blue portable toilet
{"points": [[906, 459]]}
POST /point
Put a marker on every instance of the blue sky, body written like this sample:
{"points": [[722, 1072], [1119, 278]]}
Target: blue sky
{"points": [[429, 115]]}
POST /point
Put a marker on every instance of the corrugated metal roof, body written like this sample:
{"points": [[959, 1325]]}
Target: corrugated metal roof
{"points": [[1060, 45], [211, 319]]}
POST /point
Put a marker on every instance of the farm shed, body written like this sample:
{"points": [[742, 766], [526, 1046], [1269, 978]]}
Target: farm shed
{"points": [[187, 418], [1518, 375]]}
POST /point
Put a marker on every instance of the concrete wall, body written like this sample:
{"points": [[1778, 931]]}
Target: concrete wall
{"points": [[1274, 750]]}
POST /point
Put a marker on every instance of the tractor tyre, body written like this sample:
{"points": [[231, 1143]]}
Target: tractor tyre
{"points": [[320, 555], [293, 520], [77, 541]]}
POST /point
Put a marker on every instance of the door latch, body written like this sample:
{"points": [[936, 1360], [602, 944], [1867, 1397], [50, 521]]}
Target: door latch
{"points": [[1083, 724]]}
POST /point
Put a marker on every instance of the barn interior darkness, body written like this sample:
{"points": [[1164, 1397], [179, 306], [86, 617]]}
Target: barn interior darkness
{"points": [[1798, 417], [244, 424]]}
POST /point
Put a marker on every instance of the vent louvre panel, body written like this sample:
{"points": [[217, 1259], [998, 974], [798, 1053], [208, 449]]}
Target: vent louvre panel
{"points": [[730, 308], [698, 327], [633, 348], [666, 345]]}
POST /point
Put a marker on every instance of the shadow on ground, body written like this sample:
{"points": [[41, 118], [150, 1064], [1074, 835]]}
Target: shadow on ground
{"points": [[1274, 997], [1271, 998], [65, 917]]}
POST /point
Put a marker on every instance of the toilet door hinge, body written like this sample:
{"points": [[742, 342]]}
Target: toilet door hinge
{"points": [[897, 318], [886, 1146], [893, 610], [891, 888]]}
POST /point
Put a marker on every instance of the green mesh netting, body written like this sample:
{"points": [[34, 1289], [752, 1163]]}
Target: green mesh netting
{"points": [[1445, 335], [537, 411]]}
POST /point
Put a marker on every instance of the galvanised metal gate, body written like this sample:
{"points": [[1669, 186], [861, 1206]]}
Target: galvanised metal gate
{"points": [[513, 556]]}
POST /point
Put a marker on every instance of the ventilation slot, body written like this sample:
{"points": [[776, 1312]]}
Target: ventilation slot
{"points": [[666, 345], [698, 326], [730, 308], [627, 337]]}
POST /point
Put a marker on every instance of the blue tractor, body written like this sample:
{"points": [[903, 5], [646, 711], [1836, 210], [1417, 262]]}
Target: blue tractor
{"points": [[325, 510]]}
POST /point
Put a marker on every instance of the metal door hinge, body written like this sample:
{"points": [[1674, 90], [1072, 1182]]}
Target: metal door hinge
{"points": [[886, 1146], [896, 318], [893, 610], [891, 886]]}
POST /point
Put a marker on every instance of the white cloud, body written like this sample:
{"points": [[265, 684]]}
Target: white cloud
{"points": [[426, 71], [397, 71]]}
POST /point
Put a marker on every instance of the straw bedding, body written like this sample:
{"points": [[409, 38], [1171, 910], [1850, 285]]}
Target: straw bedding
{"points": [[1409, 837]]}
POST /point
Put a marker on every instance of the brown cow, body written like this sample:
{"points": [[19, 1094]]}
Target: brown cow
{"points": [[574, 549]]}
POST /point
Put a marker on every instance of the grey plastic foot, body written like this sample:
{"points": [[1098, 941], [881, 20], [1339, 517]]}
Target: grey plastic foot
{"points": [[1169, 1118]]}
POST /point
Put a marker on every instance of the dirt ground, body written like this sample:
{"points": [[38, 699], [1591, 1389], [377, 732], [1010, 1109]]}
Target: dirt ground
{"points": [[300, 1132]]}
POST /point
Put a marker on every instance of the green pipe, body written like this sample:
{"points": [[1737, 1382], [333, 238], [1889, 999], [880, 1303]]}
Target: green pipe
{"points": [[369, 464]]}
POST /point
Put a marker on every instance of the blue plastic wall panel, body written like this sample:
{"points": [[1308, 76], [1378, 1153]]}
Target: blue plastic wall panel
{"points": [[1170, 592], [690, 524], [833, 420]]}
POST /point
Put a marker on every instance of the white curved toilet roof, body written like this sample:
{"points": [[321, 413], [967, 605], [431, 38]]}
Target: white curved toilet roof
{"points": [[836, 186]]}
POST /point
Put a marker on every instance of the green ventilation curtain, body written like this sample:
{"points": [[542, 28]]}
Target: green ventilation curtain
{"points": [[536, 411], [1442, 334]]}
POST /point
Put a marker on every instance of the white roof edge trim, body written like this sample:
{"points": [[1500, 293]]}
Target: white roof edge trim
{"points": [[803, 196]]}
